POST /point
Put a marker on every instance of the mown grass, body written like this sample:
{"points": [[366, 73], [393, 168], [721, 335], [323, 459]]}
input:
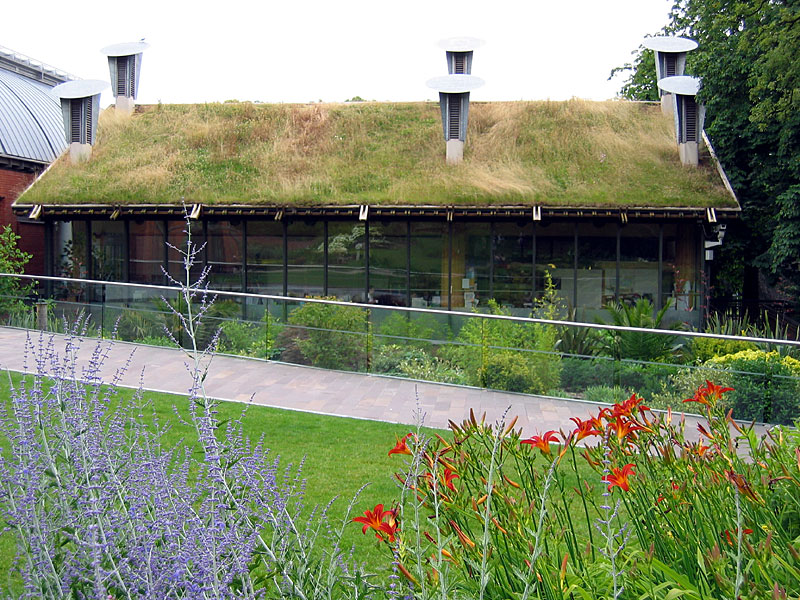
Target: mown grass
{"points": [[575, 153]]}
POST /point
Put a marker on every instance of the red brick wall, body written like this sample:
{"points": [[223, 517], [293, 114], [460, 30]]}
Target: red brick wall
{"points": [[12, 184]]}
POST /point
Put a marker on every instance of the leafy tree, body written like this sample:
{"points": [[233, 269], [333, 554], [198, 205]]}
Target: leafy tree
{"points": [[748, 61], [12, 260]]}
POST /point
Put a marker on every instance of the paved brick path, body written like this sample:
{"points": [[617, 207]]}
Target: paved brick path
{"points": [[292, 387]]}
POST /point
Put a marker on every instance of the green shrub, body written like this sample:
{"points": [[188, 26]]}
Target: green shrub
{"points": [[766, 386], [577, 374], [704, 349], [606, 394], [486, 343], [389, 357], [431, 368], [330, 336], [638, 345], [509, 371], [413, 329], [240, 337]]}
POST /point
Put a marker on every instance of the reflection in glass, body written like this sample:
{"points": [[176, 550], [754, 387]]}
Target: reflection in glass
{"points": [[108, 250], [265, 257], [680, 274], [305, 258], [224, 252], [346, 260], [555, 256], [388, 262], [471, 264], [70, 249], [513, 265], [597, 268], [429, 265], [147, 249], [638, 263]]}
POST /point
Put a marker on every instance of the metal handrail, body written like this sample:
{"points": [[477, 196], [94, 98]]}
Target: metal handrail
{"points": [[406, 309]]}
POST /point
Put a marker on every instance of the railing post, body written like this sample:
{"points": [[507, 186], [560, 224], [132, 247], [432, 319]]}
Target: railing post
{"points": [[41, 315], [102, 310]]}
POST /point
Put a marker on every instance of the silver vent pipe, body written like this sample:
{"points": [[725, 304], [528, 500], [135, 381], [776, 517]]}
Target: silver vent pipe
{"points": [[80, 107], [454, 102], [670, 58], [125, 66], [689, 115]]}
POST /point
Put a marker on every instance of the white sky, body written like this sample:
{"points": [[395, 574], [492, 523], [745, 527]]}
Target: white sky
{"points": [[301, 51]]}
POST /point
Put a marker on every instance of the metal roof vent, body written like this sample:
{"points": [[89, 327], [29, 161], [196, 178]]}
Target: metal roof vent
{"points": [[459, 54], [80, 107], [689, 115], [670, 61], [125, 65], [454, 102]]}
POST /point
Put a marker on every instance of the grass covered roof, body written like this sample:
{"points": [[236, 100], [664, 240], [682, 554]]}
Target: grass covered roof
{"points": [[574, 153]]}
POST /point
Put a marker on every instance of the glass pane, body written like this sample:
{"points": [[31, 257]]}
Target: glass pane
{"points": [[306, 246], [224, 251], [638, 263], [555, 256], [70, 249], [429, 265], [108, 250], [265, 257], [597, 268], [472, 255], [346, 276], [388, 262], [513, 265], [147, 248], [680, 275]]}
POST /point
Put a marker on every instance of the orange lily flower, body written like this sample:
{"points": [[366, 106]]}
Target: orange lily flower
{"points": [[626, 408], [375, 519], [623, 428], [448, 476], [619, 477], [542, 442], [586, 428], [402, 445], [709, 394]]}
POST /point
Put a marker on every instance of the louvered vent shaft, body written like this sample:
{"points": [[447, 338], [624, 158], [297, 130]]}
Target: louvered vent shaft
{"points": [[454, 117], [75, 121], [690, 120], [671, 62], [459, 64], [132, 77], [122, 75], [88, 124]]}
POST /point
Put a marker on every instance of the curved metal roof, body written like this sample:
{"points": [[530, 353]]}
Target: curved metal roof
{"points": [[31, 123]]}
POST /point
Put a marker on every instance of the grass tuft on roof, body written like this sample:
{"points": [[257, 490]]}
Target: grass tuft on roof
{"points": [[573, 153]]}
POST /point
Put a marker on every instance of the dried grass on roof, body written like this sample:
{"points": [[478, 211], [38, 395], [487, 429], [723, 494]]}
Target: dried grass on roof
{"points": [[573, 153]]}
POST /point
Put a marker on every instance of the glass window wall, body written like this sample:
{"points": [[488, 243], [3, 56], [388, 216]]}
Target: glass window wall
{"points": [[680, 274], [306, 253], [429, 264], [555, 259], [147, 243], [224, 252], [638, 263], [597, 268], [265, 257], [346, 260], [513, 266], [108, 250], [471, 264], [388, 262]]}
